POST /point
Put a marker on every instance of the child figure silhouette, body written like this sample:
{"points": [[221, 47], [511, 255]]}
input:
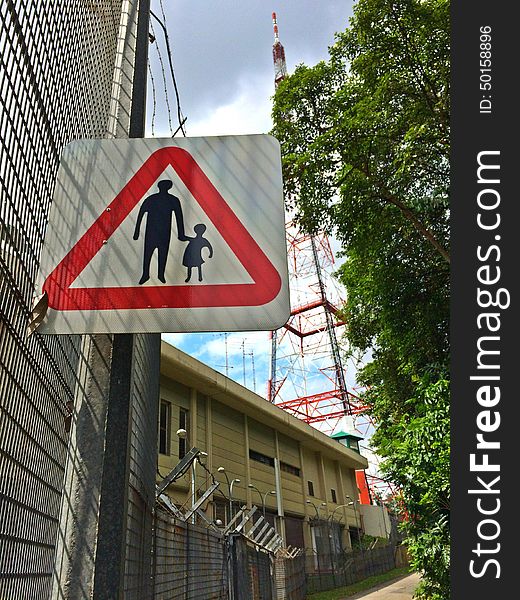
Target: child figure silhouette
{"points": [[193, 253]]}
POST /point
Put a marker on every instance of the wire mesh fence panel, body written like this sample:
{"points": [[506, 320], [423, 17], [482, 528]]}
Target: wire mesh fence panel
{"points": [[169, 557], [137, 584], [190, 562], [143, 453], [290, 578], [260, 568], [56, 69], [329, 571], [207, 560]]}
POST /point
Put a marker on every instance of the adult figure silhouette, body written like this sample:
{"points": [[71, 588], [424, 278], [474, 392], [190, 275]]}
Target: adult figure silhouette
{"points": [[158, 209]]}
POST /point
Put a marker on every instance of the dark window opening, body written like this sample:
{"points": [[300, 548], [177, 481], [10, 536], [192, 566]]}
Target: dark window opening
{"points": [[294, 532], [310, 487], [262, 458], [220, 510], [290, 469], [164, 427], [333, 496], [270, 517], [184, 423]]}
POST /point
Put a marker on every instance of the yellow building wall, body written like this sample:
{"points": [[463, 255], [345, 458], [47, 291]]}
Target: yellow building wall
{"points": [[312, 473], [349, 481], [262, 476], [289, 453], [228, 440], [261, 438], [178, 396], [227, 436], [332, 483], [292, 494], [201, 402], [289, 450]]}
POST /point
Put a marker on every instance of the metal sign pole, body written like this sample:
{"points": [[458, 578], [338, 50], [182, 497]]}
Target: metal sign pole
{"points": [[112, 383]]}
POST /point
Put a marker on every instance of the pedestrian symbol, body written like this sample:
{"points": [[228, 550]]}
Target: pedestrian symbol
{"points": [[184, 235], [193, 253], [158, 209]]}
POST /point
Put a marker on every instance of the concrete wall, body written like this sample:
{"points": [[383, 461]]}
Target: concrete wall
{"points": [[376, 521]]}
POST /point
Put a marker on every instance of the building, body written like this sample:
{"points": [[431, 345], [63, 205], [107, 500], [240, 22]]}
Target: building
{"points": [[260, 454]]}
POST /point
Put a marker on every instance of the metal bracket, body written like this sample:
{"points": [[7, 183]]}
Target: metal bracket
{"points": [[209, 523], [275, 543], [235, 519], [178, 471], [38, 312], [268, 537], [201, 500], [246, 518], [259, 522], [170, 505]]}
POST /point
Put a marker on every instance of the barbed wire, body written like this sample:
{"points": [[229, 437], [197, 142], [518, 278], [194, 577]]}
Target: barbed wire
{"points": [[180, 116], [163, 73], [154, 97]]}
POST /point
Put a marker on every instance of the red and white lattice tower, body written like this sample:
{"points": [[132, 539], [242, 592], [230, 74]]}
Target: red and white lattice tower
{"points": [[280, 66], [307, 375]]}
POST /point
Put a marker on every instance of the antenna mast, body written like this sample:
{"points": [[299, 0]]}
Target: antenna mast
{"points": [[280, 66], [307, 377], [309, 337]]}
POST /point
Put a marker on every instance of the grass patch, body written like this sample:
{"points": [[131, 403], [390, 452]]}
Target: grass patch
{"points": [[350, 590]]}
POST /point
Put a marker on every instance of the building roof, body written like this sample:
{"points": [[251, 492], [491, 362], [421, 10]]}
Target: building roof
{"points": [[344, 434], [181, 367]]}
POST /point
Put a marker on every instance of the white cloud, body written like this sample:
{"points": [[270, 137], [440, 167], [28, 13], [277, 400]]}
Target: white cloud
{"points": [[247, 112], [175, 339]]}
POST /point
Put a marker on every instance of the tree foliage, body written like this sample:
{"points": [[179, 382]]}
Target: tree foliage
{"points": [[365, 150]]}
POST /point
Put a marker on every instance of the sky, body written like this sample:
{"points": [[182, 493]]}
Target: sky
{"points": [[222, 56], [221, 52]]}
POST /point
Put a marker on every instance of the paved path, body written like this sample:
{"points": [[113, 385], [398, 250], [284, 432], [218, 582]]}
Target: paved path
{"points": [[402, 589]]}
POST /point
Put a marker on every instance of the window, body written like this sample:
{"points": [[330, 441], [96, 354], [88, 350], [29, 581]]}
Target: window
{"points": [[310, 488], [294, 532], [289, 469], [220, 512], [164, 427], [354, 445], [184, 423], [259, 457], [333, 496]]}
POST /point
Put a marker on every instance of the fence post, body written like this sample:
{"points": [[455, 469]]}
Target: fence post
{"points": [[240, 587]]}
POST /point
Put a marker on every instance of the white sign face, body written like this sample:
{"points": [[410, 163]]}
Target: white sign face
{"points": [[166, 235]]}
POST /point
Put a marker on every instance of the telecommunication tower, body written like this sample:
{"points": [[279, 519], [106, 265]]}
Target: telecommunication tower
{"points": [[280, 66], [307, 377], [305, 358]]}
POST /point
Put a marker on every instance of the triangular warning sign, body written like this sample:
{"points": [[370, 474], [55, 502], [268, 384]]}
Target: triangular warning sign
{"points": [[266, 279]]}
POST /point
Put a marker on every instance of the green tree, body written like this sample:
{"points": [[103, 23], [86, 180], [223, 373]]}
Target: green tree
{"points": [[365, 150]]}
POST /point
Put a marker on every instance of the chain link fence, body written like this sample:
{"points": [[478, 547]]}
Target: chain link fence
{"points": [[328, 571], [190, 561], [328, 565], [290, 577], [142, 469], [260, 573], [195, 562]]}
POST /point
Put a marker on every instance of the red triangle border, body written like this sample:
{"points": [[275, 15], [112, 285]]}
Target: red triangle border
{"points": [[267, 280]]}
